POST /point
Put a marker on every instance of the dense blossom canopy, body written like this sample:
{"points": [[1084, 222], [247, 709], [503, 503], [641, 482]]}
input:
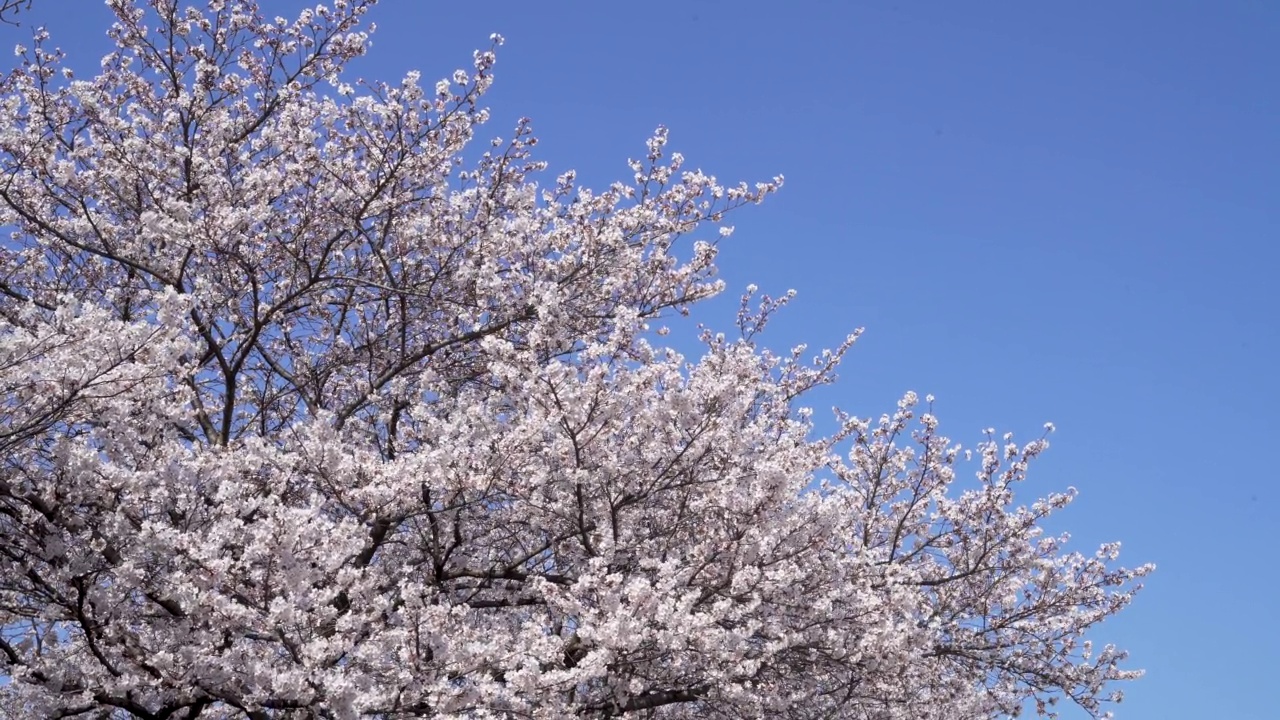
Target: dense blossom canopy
{"points": [[304, 414]]}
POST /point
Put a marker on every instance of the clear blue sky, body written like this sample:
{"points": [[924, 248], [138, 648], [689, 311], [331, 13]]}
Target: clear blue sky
{"points": [[1064, 213]]}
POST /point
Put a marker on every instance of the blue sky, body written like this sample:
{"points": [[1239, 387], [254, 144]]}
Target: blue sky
{"points": [[1038, 212]]}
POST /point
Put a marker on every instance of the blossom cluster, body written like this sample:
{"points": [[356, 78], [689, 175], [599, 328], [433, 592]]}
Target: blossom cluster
{"points": [[309, 412]]}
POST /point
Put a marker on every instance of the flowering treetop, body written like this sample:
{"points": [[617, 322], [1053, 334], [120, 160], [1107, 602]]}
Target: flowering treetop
{"points": [[304, 415]]}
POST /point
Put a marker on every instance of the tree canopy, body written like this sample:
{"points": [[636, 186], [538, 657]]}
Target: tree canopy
{"points": [[307, 411]]}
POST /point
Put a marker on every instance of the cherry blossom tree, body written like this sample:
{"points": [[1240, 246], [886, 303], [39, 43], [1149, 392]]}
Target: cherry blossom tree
{"points": [[310, 412]]}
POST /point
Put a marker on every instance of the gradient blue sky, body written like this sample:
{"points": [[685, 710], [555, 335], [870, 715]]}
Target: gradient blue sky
{"points": [[1039, 211]]}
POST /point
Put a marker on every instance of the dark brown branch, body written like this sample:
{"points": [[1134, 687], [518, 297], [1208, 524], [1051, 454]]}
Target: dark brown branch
{"points": [[10, 8]]}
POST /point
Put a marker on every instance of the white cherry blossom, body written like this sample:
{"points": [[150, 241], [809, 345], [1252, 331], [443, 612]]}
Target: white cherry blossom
{"points": [[308, 413]]}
